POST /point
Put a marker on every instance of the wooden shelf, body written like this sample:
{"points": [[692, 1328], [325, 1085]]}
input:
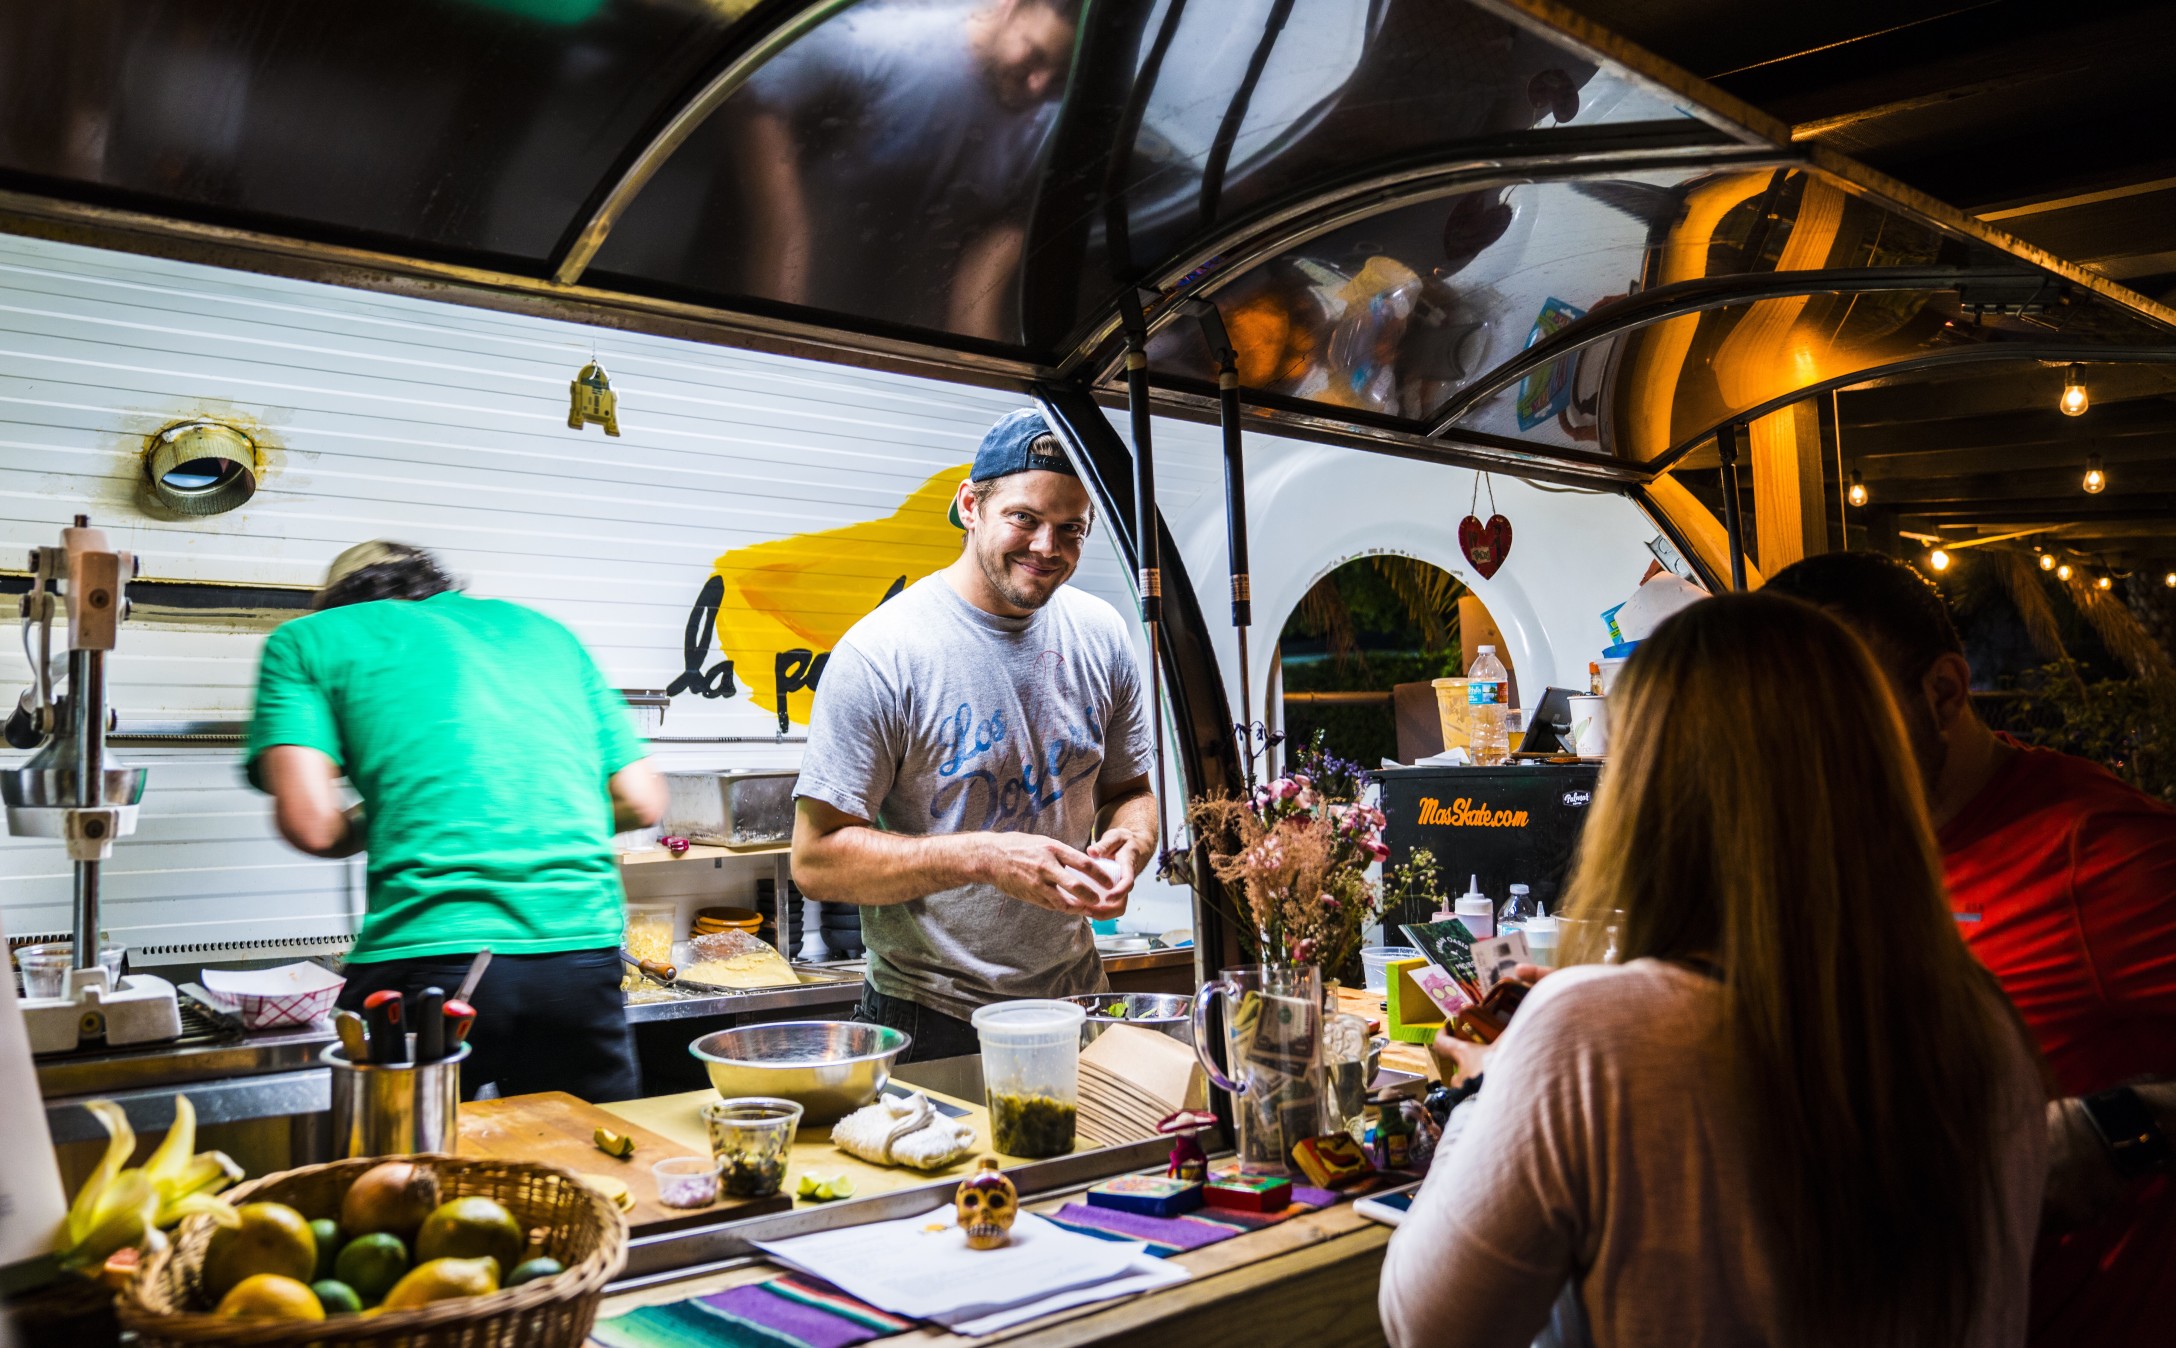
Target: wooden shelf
{"points": [[702, 852]]}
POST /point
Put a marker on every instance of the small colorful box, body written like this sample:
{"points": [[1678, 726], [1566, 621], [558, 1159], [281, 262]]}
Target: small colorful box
{"points": [[1150, 1195], [1414, 1017], [1249, 1193], [1332, 1161]]}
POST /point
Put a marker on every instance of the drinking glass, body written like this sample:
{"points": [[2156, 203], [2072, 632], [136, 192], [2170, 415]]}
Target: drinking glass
{"points": [[750, 1138]]}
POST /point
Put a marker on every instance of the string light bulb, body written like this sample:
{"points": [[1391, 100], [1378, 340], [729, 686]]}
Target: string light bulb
{"points": [[1856, 495], [2095, 479], [2047, 561], [2103, 581], [1938, 559], [2063, 572], [2169, 580], [2074, 401]]}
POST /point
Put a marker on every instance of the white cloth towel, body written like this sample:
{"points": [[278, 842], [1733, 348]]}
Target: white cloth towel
{"points": [[903, 1130]]}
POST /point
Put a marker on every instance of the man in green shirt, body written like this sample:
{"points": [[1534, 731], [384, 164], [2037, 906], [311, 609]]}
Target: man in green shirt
{"points": [[494, 763]]}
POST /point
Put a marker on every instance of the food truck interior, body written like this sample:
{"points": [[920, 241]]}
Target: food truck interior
{"points": [[583, 303]]}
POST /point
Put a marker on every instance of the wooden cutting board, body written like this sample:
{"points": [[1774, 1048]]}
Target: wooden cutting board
{"points": [[554, 1128]]}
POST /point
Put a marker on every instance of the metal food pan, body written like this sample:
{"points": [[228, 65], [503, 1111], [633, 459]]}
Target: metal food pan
{"points": [[738, 807]]}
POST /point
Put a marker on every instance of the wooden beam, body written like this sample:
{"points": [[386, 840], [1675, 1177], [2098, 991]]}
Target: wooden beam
{"points": [[1789, 514]]}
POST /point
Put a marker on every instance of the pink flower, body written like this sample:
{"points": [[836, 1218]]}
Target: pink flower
{"points": [[1377, 851]]}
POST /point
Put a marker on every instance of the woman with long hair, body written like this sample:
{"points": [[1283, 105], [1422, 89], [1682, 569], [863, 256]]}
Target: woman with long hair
{"points": [[1794, 1111]]}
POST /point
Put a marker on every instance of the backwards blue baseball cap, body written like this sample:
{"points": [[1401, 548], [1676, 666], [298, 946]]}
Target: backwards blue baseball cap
{"points": [[1020, 442]]}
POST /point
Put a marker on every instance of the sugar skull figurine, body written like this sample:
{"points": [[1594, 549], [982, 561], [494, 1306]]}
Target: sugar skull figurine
{"points": [[986, 1205], [1188, 1161]]}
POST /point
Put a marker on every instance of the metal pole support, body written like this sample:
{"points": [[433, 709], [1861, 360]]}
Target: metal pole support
{"points": [[1726, 445]]}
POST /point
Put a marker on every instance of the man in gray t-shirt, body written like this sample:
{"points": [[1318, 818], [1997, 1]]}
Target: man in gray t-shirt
{"points": [[967, 738]]}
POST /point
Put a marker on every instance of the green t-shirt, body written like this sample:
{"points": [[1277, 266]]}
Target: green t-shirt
{"points": [[481, 736]]}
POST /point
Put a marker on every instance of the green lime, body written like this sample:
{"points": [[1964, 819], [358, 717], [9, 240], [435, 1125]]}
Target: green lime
{"points": [[327, 1233], [337, 1297], [529, 1270], [371, 1265]]}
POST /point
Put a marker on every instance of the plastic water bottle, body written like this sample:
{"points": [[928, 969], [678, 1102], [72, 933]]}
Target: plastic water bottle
{"points": [[1488, 692], [1519, 909]]}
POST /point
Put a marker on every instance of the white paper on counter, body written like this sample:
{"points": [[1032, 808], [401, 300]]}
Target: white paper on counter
{"points": [[32, 1204], [1149, 1274], [908, 1269]]}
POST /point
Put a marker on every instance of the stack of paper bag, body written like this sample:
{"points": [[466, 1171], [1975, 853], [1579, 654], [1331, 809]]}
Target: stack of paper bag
{"points": [[1130, 1079]]}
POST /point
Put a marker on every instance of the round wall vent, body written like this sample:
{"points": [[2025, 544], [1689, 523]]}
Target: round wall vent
{"points": [[200, 468]]}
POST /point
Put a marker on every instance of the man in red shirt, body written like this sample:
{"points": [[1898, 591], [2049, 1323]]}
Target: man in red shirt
{"points": [[2063, 879]]}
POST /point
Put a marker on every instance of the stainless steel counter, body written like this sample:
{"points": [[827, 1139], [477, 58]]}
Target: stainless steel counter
{"points": [[271, 1086], [825, 988]]}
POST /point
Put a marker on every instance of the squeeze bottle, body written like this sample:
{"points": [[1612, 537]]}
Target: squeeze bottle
{"points": [[1477, 910]]}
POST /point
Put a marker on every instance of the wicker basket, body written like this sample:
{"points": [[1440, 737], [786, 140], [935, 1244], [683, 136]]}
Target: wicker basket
{"points": [[165, 1306]]}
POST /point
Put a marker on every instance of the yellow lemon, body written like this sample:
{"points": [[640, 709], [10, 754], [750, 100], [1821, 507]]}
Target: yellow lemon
{"points": [[470, 1228], [441, 1279], [268, 1296], [272, 1238]]}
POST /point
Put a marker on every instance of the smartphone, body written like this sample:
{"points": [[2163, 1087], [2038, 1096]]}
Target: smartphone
{"points": [[1388, 1207]]}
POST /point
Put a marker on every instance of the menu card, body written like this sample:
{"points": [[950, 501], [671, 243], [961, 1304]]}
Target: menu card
{"points": [[1450, 978]]}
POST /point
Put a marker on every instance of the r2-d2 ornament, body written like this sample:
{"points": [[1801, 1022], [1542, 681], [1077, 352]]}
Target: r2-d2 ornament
{"points": [[590, 399]]}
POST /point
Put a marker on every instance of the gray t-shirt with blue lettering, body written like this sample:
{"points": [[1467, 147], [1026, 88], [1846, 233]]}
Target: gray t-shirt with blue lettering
{"points": [[933, 716]]}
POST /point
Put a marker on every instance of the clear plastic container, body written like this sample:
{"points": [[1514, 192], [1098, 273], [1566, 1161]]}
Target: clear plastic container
{"points": [[686, 1181], [1541, 935], [1031, 1075], [651, 930], [1488, 693], [1451, 711], [1375, 962]]}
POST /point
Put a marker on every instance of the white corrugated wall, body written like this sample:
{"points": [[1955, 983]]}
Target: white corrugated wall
{"points": [[446, 426], [439, 425]]}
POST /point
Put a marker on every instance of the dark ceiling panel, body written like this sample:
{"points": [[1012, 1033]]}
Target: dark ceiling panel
{"points": [[1713, 38], [899, 165], [474, 127]]}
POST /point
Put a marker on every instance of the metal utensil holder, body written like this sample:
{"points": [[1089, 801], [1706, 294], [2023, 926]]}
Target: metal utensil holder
{"points": [[394, 1109]]}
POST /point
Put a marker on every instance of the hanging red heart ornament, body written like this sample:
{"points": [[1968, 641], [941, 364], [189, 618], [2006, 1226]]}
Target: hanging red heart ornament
{"points": [[1485, 545]]}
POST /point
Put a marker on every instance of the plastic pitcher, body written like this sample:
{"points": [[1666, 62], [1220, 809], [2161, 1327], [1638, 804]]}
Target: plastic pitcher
{"points": [[1031, 1075], [1273, 1048]]}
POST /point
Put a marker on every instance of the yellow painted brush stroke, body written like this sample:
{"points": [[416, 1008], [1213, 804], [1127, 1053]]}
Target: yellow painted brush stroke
{"points": [[804, 591]]}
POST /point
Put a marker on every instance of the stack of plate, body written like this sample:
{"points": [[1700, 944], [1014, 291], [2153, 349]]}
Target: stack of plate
{"points": [[1130, 1080], [711, 921]]}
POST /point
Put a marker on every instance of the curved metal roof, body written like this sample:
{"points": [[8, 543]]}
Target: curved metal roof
{"points": [[1475, 228]]}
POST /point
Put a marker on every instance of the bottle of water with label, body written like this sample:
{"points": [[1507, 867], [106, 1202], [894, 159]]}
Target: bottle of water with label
{"points": [[1518, 910], [1488, 692]]}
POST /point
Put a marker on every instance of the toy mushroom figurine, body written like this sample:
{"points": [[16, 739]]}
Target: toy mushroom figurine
{"points": [[1188, 1161], [986, 1206]]}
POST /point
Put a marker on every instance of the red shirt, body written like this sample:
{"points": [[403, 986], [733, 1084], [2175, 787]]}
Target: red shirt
{"points": [[2063, 879]]}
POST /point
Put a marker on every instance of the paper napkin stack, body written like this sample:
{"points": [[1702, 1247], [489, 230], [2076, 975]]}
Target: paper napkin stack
{"points": [[1130, 1078]]}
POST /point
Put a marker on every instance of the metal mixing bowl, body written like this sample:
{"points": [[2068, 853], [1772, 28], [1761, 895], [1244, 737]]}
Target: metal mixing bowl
{"points": [[831, 1067], [1166, 1013]]}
